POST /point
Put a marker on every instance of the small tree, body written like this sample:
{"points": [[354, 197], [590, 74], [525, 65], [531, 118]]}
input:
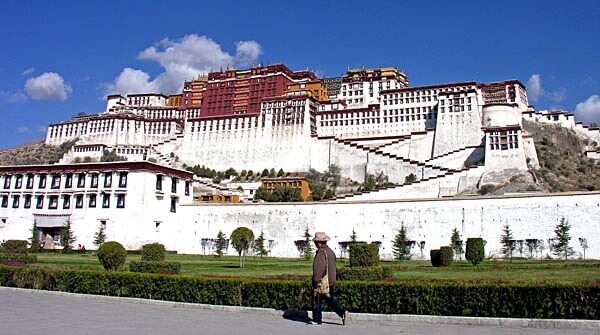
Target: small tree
{"points": [[241, 240], [562, 239], [308, 248], [584, 245], [221, 244], [507, 242], [259, 245], [532, 245], [456, 243], [401, 246], [67, 238], [353, 237], [100, 236], [475, 250], [35, 238]]}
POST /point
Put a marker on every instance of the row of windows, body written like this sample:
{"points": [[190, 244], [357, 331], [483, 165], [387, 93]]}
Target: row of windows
{"points": [[69, 178], [174, 181], [53, 200], [504, 140], [389, 119]]}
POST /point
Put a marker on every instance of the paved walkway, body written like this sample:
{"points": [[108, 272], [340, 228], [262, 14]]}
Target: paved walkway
{"points": [[26, 312]]}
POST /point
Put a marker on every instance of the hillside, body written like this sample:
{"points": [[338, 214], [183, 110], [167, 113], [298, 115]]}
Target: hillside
{"points": [[29, 154], [563, 164]]}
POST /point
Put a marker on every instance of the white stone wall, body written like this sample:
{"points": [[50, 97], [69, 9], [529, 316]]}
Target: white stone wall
{"points": [[429, 221]]}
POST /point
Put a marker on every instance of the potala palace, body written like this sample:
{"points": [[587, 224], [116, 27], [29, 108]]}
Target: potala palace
{"points": [[451, 137]]}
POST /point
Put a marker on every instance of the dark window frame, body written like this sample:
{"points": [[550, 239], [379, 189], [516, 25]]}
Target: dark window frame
{"points": [[120, 200], [39, 204], [123, 179], [53, 202], [27, 201], [93, 200], [79, 201]]}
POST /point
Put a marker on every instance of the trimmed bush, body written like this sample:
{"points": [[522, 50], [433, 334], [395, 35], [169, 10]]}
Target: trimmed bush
{"points": [[372, 273], [475, 252], [112, 255], [436, 257], [446, 255], [155, 267], [153, 252], [363, 254], [15, 247], [21, 258], [449, 298]]}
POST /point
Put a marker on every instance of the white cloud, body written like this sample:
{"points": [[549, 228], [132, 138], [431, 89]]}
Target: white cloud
{"points": [[131, 81], [28, 71], [21, 130], [558, 95], [48, 86], [13, 97], [247, 52], [181, 59], [589, 110], [534, 87]]}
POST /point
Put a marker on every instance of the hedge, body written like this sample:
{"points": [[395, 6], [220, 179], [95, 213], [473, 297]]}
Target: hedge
{"points": [[21, 258], [364, 273], [517, 300], [155, 267]]}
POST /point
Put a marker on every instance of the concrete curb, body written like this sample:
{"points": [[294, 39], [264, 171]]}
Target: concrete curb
{"points": [[450, 320]]}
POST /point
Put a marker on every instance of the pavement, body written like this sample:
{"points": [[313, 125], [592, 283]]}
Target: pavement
{"points": [[25, 312]]}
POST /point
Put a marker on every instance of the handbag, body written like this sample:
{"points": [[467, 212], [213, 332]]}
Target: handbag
{"points": [[323, 285]]}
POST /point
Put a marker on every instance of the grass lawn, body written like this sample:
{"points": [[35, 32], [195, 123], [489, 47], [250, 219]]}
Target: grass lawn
{"points": [[520, 270]]}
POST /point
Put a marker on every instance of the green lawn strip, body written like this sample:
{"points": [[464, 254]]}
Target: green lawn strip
{"points": [[521, 270]]}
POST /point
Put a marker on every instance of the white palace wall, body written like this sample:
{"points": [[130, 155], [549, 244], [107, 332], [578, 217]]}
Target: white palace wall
{"points": [[432, 221]]}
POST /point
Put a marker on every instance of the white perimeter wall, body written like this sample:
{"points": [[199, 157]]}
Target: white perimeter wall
{"points": [[431, 221]]}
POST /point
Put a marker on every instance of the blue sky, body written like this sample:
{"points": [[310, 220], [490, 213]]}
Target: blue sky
{"points": [[61, 58]]}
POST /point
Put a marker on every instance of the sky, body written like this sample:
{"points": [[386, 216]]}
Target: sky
{"points": [[61, 58]]}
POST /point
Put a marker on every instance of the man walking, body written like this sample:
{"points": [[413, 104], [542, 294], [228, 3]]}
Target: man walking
{"points": [[324, 263]]}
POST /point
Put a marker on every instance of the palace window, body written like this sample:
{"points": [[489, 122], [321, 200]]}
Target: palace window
{"points": [[173, 205], [94, 177], [79, 201], [19, 181], [107, 179], [105, 200], [69, 180], [55, 181], [39, 202], [504, 140], [4, 201], [29, 183], [66, 201], [16, 199], [159, 179], [53, 202], [123, 179], [81, 180], [92, 200], [120, 200], [7, 181], [27, 202]]}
